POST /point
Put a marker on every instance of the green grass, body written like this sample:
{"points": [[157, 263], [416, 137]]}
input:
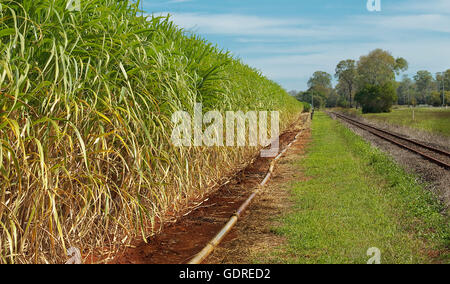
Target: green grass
{"points": [[435, 120], [356, 198]]}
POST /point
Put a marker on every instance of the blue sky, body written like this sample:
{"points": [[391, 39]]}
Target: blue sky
{"points": [[288, 40]]}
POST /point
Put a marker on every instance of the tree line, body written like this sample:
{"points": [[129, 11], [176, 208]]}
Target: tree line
{"points": [[370, 83]]}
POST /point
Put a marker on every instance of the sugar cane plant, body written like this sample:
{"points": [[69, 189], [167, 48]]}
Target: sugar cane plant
{"points": [[86, 99]]}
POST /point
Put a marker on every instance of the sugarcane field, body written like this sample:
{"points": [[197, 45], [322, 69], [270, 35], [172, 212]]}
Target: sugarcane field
{"points": [[227, 140]]}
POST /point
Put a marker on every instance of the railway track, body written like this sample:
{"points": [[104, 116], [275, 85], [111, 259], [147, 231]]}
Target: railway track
{"points": [[435, 155]]}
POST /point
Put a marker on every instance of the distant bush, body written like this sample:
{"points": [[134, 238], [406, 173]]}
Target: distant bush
{"points": [[343, 103], [306, 107], [377, 98], [435, 99]]}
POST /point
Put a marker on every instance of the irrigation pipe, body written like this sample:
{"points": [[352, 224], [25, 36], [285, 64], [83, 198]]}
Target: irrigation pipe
{"points": [[206, 251]]}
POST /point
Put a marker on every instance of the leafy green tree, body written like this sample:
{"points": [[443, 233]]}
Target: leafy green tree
{"points": [[320, 79], [435, 99], [378, 68], [342, 102], [332, 99], [446, 75], [319, 99], [320, 87], [347, 74], [443, 80], [424, 86], [377, 98], [405, 91]]}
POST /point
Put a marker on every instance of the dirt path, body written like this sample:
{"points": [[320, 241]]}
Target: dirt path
{"points": [[253, 237], [181, 241]]}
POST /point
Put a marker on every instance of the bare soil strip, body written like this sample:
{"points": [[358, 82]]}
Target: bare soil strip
{"points": [[253, 237], [181, 241]]}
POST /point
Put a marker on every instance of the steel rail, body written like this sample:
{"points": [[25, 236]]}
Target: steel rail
{"points": [[434, 149], [374, 131]]}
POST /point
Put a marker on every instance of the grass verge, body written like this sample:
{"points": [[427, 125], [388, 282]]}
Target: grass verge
{"points": [[356, 198], [434, 120]]}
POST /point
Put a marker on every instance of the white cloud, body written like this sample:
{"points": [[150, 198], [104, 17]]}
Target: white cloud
{"points": [[420, 22], [177, 1], [326, 57], [289, 50], [420, 6], [264, 28], [249, 25]]}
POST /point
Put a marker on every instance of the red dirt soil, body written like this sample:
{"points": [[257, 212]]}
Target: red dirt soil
{"points": [[254, 239], [179, 242]]}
